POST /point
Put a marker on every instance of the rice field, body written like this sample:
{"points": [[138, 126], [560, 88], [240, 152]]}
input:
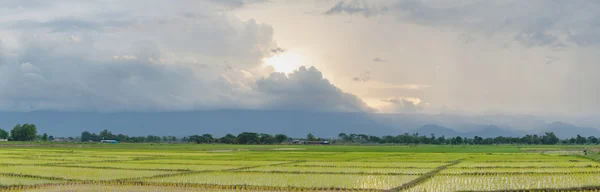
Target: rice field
{"points": [[329, 168]]}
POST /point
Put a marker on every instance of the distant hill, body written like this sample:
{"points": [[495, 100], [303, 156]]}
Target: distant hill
{"points": [[568, 130], [437, 131], [491, 131], [293, 123], [474, 130]]}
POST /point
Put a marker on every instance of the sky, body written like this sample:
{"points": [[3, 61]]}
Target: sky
{"points": [[534, 57]]}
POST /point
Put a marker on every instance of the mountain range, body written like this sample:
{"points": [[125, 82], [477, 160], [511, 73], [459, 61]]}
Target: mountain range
{"points": [[292, 123]]}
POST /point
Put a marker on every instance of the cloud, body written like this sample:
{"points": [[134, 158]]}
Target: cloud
{"points": [[383, 85], [366, 8], [366, 76], [23, 3], [553, 23], [103, 57], [29, 68], [277, 50], [306, 89], [527, 57], [377, 59], [74, 82], [551, 59], [405, 105], [236, 4]]}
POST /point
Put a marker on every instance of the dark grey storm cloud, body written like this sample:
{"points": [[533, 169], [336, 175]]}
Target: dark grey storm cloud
{"points": [[102, 57]]}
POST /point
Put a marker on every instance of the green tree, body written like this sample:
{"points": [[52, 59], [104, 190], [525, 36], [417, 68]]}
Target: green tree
{"points": [[16, 133], [310, 137], [107, 135], [196, 139], [45, 137], [458, 140], [86, 136], [373, 139], [3, 134], [477, 140], [122, 138], [267, 139], [208, 138], [352, 137], [592, 140], [280, 138], [549, 138], [248, 138], [153, 139], [441, 140], [580, 140], [228, 139], [30, 132], [25, 132]]}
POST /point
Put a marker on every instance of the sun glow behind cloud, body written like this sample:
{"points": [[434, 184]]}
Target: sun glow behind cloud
{"points": [[286, 62]]}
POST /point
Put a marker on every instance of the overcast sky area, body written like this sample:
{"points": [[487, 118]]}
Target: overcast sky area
{"points": [[535, 57]]}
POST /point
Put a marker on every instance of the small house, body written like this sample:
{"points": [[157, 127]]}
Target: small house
{"points": [[317, 142], [311, 142], [109, 141], [3, 140]]}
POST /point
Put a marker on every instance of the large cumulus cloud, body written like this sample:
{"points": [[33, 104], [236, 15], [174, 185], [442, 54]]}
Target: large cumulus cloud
{"points": [[190, 55], [306, 89]]}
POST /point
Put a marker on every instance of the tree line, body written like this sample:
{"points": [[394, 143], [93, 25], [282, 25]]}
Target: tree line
{"points": [[548, 138], [242, 138], [28, 132]]}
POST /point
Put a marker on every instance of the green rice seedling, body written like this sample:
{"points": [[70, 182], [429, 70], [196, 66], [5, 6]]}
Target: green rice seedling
{"points": [[340, 170], [506, 182], [155, 166], [76, 173], [295, 180], [371, 164]]}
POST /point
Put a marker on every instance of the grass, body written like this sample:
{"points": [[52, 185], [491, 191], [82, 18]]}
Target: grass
{"points": [[506, 182], [187, 167], [346, 170], [75, 173], [206, 162], [154, 166], [16, 180], [371, 164], [515, 170], [128, 188], [25, 161], [529, 164], [293, 180]]}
